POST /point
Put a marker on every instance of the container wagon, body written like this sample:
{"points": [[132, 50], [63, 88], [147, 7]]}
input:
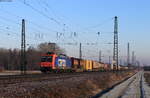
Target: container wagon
{"points": [[77, 64], [96, 66]]}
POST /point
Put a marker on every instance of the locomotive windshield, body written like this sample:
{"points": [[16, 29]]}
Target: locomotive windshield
{"points": [[46, 59]]}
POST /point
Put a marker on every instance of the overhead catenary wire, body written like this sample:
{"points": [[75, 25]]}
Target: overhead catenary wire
{"points": [[9, 20], [28, 20], [47, 7], [41, 13], [12, 32], [36, 32], [34, 25], [44, 2], [101, 24], [19, 24]]}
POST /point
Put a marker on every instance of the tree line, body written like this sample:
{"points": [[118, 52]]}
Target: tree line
{"points": [[10, 59]]}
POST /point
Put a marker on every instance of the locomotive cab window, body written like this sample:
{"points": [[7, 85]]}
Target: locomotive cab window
{"points": [[49, 59], [43, 59], [46, 59]]}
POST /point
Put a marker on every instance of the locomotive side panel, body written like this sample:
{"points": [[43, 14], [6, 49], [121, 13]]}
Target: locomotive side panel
{"points": [[63, 63]]}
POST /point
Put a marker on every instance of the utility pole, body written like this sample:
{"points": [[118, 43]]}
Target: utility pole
{"points": [[80, 51], [133, 58], [120, 61], [80, 54], [100, 56], [115, 49], [109, 59], [23, 49], [128, 54]]}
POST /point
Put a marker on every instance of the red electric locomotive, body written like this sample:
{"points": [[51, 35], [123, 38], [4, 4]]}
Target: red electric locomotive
{"points": [[56, 63]]}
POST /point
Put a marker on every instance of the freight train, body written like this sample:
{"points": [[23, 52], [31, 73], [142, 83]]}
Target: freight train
{"points": [[51, 62]]}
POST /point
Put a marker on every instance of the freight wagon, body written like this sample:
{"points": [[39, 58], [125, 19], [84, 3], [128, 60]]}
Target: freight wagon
{"points": [[97, 66], [77, 64]]}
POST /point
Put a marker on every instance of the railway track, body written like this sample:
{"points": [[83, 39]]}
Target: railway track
{"points": [[130, 88], [13, 79]]}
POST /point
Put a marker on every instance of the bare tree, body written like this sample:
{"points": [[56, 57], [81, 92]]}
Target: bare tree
{"points": [[50, 47], [10, 58], [33, 58]]}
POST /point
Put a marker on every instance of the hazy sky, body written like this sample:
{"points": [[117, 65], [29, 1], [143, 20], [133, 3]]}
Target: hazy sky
{"points": [[56, 20]]}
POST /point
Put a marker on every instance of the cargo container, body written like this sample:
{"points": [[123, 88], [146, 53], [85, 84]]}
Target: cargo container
{"points": [[102, 65], [75, 63], [96, 66], [87, 65], [82, 63], [109, 67], [123, 67], [105, 66], [115, 67]]}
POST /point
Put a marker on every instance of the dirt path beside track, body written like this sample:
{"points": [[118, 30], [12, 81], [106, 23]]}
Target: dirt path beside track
{"points": [[134, 87]]}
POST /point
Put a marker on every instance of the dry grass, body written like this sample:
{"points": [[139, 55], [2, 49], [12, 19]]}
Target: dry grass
{"points": [[77, 87]]}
